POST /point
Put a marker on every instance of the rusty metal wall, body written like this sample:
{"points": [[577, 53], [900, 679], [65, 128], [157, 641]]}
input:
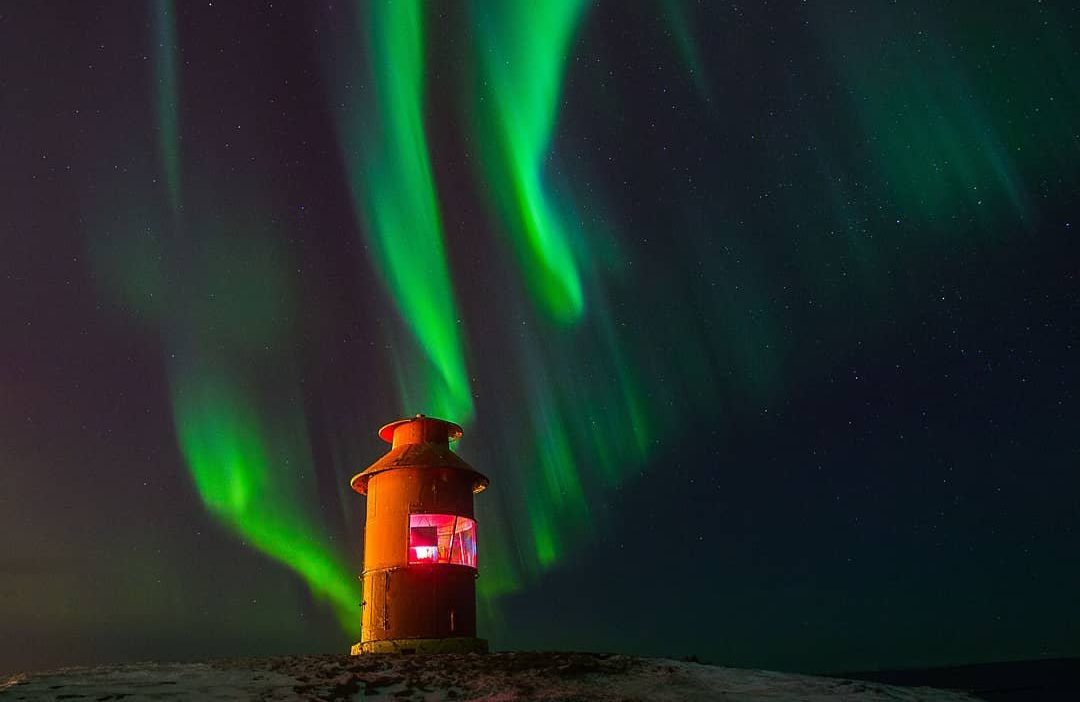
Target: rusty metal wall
{"points": [[414, 601], [429, 601], [394, 494]]}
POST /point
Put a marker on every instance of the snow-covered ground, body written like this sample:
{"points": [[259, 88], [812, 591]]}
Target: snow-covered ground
{"points": [[496, 677]]}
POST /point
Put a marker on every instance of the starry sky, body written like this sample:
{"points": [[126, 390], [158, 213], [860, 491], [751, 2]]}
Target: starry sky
{"points": [[761, 317]]}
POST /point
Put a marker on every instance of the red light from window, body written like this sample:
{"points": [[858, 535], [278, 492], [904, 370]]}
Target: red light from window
{"points": [[425, 554], [442, 538]]}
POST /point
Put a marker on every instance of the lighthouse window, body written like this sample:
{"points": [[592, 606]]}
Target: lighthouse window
{"points": [[442, 538]]}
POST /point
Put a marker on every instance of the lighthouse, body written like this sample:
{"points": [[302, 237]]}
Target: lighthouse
{"points": [[419, 543]]}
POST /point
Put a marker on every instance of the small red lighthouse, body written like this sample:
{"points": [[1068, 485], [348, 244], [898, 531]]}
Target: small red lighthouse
{"points": [[419, 543]]}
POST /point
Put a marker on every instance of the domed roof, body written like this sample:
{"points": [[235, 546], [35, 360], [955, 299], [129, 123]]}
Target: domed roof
{"points": [[419, 442]]}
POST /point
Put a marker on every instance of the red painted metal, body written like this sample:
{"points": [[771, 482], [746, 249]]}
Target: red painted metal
{"points": [[420, 475]]}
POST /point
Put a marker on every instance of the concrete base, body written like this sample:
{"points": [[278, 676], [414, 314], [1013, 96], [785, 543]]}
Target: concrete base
{"points": [[458, 644]]}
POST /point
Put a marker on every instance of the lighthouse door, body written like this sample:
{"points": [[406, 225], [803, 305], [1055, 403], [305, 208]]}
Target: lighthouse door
{"points": [[382, 614], [371, 603], [376, 604]]}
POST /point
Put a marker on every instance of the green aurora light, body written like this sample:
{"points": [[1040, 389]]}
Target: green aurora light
{"points": [[235, 406], [575, 446], [256, 481], [678, 16], [559, 463], [389, 165], [938, 148], [595, 401], [239, 428], [522, 51], [726, 278]]}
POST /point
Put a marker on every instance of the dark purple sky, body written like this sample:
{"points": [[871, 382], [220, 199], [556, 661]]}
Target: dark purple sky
{"points": [[818, 411]]}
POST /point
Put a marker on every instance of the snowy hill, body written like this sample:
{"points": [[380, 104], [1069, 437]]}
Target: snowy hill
{"points": [[496, 677]]}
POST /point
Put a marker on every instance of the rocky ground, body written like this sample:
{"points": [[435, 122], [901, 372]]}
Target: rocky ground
{"points": [[496, 677]]}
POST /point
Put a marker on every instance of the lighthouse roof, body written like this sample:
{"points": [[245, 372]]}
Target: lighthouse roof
{"points": [[437, 429], [419, 442]]}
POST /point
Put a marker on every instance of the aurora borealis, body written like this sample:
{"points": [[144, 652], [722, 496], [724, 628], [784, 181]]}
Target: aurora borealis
{"points": [[762, 321], [390, 172], [521, 50]]}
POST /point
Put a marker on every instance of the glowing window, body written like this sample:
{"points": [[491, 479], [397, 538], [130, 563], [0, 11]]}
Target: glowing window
{"points": [[442, 538]]}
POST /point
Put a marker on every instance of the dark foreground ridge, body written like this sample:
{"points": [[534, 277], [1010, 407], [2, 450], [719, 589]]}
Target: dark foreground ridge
{"points": [[1044, 680], [496, 677]]}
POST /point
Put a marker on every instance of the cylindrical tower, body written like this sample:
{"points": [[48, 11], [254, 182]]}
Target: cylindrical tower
{"points": [[419, 543]]}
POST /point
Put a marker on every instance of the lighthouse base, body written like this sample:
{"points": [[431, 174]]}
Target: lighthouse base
{"points": [[456, 644]]}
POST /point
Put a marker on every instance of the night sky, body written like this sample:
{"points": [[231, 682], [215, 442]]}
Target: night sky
{"points": [[761, 317]]}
